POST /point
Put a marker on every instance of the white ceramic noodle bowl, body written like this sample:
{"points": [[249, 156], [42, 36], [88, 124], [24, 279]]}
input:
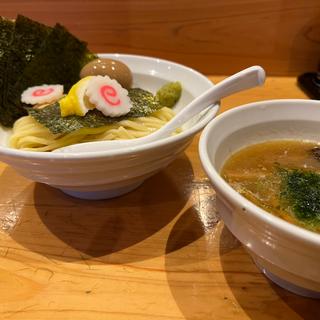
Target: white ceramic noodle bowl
{"points": [[109, 173], [287, 254]]}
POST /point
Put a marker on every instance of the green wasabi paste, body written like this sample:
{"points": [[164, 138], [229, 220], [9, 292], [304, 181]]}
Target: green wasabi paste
{"points": [[169, 94]]}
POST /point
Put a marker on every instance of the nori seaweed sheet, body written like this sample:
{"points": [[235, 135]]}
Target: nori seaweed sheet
{"points": [[6, 35], [143, 104], [27, 39], [34, 54], [59, 61]]}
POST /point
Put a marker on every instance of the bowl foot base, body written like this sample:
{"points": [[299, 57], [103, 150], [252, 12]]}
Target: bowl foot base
{"points": [[288, 285], [102, 194]]}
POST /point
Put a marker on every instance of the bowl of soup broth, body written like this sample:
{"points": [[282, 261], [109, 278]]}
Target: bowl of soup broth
{"points": [[263, 160]]}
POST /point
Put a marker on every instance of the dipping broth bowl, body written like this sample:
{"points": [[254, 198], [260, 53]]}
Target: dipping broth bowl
{"points": [[287, 254], [107, 174]]}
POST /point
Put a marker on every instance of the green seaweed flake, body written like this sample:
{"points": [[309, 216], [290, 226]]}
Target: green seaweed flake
{"points": [[143, 104], [300, 193]]}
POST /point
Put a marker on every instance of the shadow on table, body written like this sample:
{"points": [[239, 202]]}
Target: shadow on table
{"points": [[191, 256], [71, 229], [202, 265], [257, 295]]}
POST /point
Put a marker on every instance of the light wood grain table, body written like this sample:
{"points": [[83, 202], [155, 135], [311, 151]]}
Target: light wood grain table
{"points": [[160, 252]]}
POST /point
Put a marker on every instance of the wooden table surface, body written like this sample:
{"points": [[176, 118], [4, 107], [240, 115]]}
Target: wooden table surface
{"points": [[160, 252]]}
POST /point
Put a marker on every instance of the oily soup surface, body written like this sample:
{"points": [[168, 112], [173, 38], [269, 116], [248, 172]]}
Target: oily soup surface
{"points": [[269, 174]]}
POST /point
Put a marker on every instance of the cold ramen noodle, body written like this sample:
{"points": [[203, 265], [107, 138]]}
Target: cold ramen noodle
{"points": [[56, 92], [103, 111], [282, 177]]}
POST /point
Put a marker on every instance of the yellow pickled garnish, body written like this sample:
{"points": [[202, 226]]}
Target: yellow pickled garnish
{"points": [[75, 102]]}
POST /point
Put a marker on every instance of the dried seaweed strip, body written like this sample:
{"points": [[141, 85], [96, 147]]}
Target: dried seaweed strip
{"points": [[36, 56], [6, 34], [27, 39], [57, 62], [143, 104]]}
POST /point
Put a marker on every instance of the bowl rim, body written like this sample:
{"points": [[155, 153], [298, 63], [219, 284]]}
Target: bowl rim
{"points": [[223, 187], [32, 155]]}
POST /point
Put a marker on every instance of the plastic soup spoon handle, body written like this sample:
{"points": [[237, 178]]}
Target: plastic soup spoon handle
{"points": [[245, 79]]}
